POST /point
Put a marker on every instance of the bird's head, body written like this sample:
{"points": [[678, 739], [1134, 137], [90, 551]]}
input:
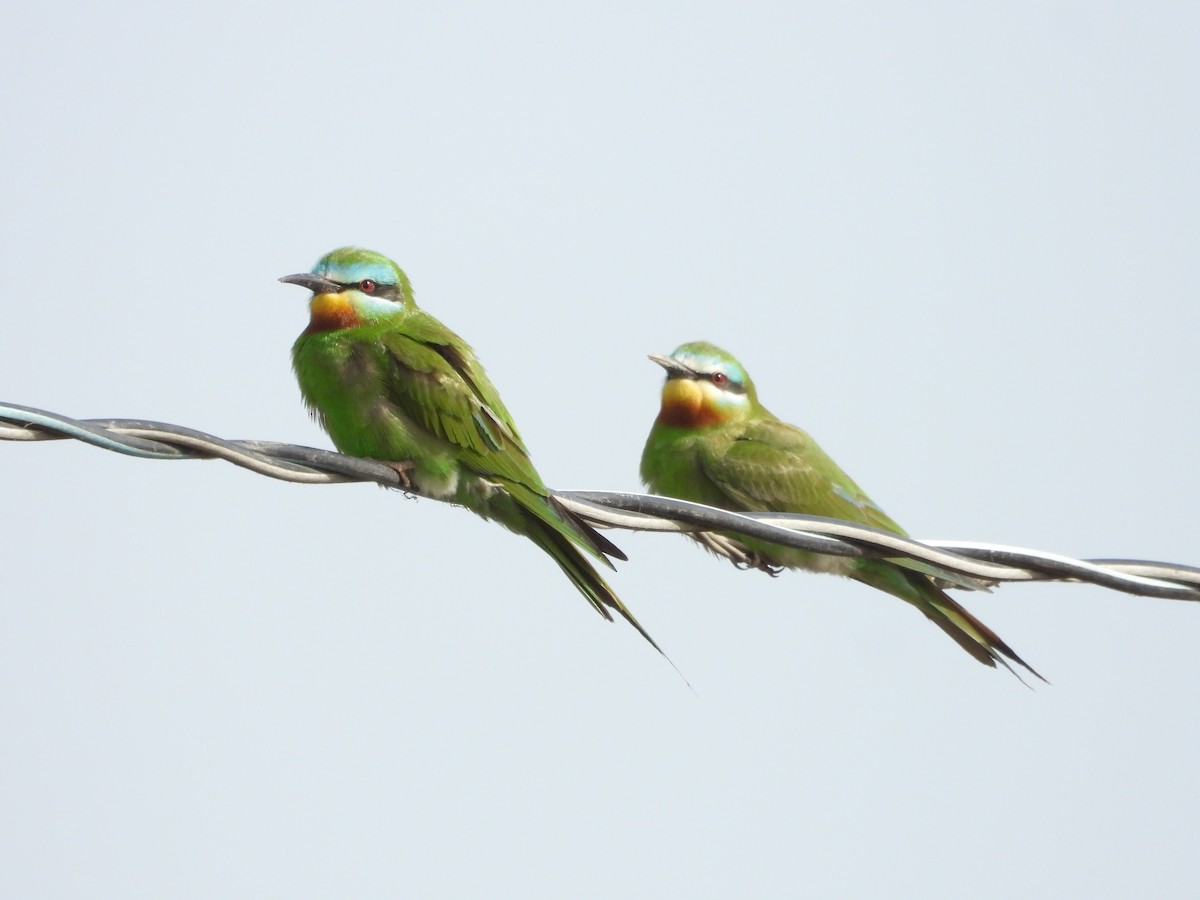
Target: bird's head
{"points": [[352, 286], [705, 386]]}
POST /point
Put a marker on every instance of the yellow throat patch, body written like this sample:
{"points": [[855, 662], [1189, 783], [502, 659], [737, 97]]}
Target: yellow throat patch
{"points": [[330, 312], [685, 405]]}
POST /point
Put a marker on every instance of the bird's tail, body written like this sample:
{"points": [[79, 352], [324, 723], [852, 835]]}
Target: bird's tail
{"points": [[602, 548], [564, 535], [947, 614], [583, 575]]}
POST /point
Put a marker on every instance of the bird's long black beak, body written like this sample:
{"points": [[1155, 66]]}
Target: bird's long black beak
{"points": [[314, 283], [675, 369]]}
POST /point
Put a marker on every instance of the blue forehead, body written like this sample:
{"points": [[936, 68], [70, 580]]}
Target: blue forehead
{"points": [[707, 358], [350, 271]]}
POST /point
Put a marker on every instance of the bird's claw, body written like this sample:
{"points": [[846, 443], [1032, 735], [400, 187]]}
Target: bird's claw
{"points": [[751, 560], [402, 469], [735, 552]]}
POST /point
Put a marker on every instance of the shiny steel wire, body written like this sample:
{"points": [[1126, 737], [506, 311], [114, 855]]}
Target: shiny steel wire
{"points": [[985, 563]]}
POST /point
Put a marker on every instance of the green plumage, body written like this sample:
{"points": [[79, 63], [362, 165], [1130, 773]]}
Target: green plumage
{"points": [[390, 382], [714, 443]]}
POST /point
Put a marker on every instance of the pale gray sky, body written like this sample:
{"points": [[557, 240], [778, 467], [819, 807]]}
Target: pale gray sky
{"points": [[956, 242]]}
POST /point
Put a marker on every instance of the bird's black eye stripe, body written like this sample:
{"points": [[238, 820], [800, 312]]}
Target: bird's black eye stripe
{"points": [[727, 382], [383, 291], [722, 380]]}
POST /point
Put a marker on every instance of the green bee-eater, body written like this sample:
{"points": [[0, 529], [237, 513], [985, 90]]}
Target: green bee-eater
{"points": [[389, 381], [714, 443]]}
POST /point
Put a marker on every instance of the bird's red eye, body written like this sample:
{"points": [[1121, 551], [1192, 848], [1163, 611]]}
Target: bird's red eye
{"points": [[719, 378], [367, 286]]}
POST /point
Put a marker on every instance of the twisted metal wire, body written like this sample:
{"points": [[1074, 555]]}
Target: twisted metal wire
{"points": [[981, 564]]}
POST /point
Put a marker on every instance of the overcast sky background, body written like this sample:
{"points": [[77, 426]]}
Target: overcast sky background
{"points": [[957, 243]]}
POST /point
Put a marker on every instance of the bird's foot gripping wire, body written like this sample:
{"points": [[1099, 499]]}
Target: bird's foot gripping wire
{"points": [[735, 552], [402, 470]]}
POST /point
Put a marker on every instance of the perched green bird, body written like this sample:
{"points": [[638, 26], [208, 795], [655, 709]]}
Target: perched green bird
{"points": [[389, 381], [714, 443]]}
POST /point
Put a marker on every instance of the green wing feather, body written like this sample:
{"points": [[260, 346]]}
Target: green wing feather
{"points": [[777, 467], [435, 379], [773, 466], [442, 387]]}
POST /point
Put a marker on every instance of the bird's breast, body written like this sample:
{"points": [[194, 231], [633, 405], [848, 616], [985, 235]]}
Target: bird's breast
{"points": [[330, 312], [684, 405]]}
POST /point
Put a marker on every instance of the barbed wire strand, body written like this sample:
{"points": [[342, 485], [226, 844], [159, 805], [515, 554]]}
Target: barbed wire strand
{"points": [[982, 563]]}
